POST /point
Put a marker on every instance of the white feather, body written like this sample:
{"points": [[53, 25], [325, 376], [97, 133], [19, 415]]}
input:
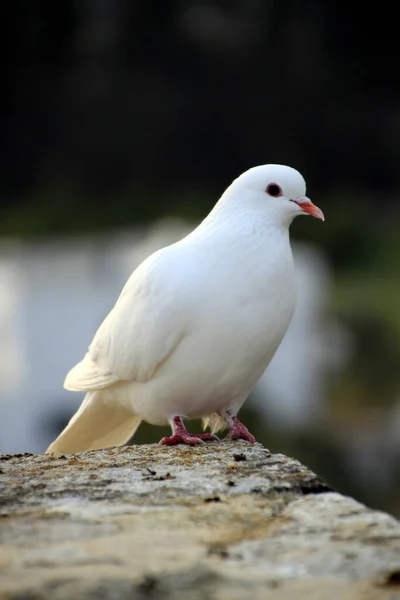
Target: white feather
{"points": [[139, 333], [95, 426]]}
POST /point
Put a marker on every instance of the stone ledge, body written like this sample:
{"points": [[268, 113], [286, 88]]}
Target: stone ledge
{"points": [[225, 520]]}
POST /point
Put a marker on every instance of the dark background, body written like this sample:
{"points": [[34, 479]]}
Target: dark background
{"points": [[117, 112]]}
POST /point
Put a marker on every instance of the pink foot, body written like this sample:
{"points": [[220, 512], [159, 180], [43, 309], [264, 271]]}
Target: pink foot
{"points": [[182, 436], [191, 439], [237, 431]]}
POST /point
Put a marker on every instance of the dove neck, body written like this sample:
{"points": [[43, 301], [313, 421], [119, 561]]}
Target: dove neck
{"points": [[247, 214]]}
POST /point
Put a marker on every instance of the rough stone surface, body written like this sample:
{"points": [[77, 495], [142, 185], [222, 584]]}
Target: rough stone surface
{"points": [[219, 521]]}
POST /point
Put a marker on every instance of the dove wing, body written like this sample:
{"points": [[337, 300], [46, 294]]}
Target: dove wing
{"points": [[143, 329]]}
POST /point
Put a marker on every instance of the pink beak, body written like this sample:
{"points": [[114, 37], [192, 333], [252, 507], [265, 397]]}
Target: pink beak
{"points": [[309, 208]]}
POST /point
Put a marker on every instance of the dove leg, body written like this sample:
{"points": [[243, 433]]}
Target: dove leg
{"points": [[237, 431], [180, 435]]}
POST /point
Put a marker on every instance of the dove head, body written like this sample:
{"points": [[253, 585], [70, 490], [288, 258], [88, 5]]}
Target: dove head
{"points": [[276, 191]]}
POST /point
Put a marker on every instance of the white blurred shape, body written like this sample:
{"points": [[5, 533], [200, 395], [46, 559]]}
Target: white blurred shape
{"points": [[12, 364]]}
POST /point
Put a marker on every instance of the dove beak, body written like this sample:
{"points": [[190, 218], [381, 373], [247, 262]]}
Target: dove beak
{"points": [[309, 208]]}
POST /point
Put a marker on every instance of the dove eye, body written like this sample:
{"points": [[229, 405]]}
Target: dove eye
{"points": [[274, 190]]}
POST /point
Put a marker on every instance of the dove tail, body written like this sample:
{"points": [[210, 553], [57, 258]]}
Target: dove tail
{"points": [[95, 425], [214, 422]]}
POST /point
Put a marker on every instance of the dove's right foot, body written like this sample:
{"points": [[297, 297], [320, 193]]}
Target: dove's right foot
{"points": [[191, 439], [237, 431], [182, 436]]}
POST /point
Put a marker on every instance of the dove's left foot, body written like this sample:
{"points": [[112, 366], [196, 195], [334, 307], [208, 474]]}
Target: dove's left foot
{"points": [[182, 436], [238, 431]]}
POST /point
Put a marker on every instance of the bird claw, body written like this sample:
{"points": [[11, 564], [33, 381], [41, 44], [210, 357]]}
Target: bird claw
{"points": [[240, 436], [191, 439], [238, 431]]}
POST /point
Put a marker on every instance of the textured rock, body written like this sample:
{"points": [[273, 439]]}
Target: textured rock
{"points": [[225, 520]]}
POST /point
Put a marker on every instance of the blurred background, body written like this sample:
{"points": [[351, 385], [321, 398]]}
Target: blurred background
{"points": [[122, 122]]}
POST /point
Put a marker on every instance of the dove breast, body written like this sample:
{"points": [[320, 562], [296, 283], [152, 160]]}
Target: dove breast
{"points": [[229, 320]]}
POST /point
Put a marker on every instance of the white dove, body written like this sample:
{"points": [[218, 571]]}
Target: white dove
{"points": [[197, 322]]}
